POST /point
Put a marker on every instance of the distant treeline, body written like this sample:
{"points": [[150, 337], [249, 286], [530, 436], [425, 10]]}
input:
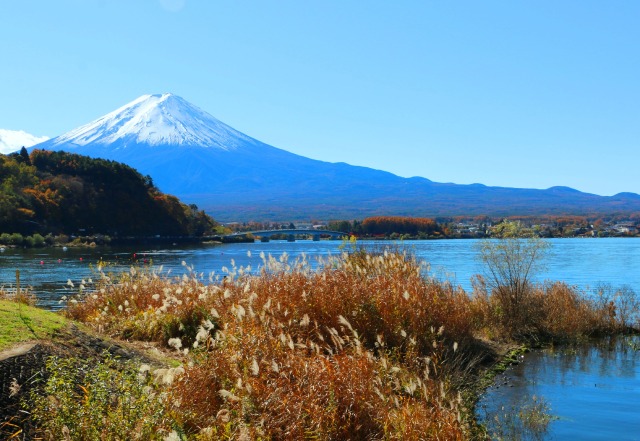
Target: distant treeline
{"points": [[63, 193], [481, 226], [390, 226], [406, 227]]}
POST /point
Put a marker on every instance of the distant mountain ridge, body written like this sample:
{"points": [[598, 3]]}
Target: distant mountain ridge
{"points": [[13, 140], [198, 158]]}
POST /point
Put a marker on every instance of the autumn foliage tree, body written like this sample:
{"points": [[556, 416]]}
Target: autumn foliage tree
{"points": [[402, 225], [61, 192]]}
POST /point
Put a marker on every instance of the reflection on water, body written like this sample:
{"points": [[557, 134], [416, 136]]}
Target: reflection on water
{"points": [[592, 389]]}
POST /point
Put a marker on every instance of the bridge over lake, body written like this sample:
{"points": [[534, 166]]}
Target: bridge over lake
{"points": [[291, 234]]}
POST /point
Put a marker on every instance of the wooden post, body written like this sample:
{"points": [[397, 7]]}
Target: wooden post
{"points": [[17, 283]]}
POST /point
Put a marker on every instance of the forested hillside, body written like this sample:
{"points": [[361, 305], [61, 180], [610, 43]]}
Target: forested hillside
{"points": [[64, 193]]}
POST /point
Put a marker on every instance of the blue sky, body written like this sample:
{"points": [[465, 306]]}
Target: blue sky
{"points": [[510, 93]]}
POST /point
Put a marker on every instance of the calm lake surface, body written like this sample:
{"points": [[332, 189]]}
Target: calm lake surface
{"points": [[581, 262], [595, 390]]}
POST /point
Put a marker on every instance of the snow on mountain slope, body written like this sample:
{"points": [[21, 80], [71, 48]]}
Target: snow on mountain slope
{"points": [[13, 140], [192, 155], [163, 119]]}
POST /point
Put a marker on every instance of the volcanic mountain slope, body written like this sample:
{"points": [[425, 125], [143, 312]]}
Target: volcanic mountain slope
{"points": [[196, 157]]}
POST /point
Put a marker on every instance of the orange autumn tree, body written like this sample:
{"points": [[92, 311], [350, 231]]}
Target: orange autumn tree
{"points": [[399, 224]]}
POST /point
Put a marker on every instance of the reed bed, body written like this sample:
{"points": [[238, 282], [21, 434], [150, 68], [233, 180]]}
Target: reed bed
{"points": [[554, 312], [364, 347], [353, 350]]}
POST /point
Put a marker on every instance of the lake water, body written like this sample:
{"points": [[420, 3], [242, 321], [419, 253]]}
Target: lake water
{"points": [[581, 262], [594, 391]]}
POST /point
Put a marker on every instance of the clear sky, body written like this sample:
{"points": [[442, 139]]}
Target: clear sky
{"points": [[510, 93]]}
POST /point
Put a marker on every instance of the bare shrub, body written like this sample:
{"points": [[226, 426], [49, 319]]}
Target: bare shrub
{"points": [[511, 261]]}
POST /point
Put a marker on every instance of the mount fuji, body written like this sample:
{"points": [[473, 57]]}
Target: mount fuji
{"points": [[191, 154]]}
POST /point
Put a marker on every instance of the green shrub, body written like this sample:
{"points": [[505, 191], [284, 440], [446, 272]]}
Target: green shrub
{"points": [[107, 400], [16, 239], [38, 240], [29, 242]]}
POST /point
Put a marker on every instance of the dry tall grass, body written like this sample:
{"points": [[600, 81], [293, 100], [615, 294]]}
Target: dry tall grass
{"points": [[556, 312], [365, 347], [354, 350], [25, 296]]}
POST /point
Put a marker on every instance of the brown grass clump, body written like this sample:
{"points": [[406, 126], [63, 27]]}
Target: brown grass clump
{"points": [[145, 304], [257, 380], [565, 312], [354, 350], [24, 296], [555, 311]]}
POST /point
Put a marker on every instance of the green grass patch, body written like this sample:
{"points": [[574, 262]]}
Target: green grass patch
{"points": [[20, 323]]}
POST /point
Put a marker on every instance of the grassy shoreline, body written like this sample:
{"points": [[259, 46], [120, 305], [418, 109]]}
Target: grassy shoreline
{"points": [[362, 348]]}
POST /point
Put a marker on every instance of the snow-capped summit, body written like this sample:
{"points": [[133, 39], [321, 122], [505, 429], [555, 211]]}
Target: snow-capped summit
{"points": [[192, 155], [13, 140], [162, 119]]}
